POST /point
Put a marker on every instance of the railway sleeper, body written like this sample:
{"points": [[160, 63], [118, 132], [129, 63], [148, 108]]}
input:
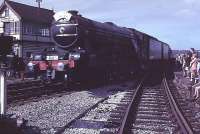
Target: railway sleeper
{"points": [[139, 131], [154, 101], [153, 115], [153, 96], [153, 93], [141, 108], [153, 121], [153, 112], [153, 105], [156, 128], [149, 117]]}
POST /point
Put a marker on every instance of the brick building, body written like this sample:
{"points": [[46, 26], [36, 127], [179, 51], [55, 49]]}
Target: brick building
{"points": [[30, 26]]}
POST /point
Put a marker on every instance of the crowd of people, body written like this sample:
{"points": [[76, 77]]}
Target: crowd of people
{"points": [[19, 68], [190, 65]]}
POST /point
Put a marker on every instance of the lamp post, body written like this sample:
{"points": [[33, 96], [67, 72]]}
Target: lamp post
{"points": [[3, 85], [3, 94]]}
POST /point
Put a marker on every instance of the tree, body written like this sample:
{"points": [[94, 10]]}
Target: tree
{"points": [[5, 46]]}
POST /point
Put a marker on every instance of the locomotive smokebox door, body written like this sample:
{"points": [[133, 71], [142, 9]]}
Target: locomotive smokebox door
{"points": [[65, 34]]}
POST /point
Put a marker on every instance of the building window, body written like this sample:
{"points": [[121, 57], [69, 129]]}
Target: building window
{"points": [[7, 28], [32, 29], [17, 27], [11, 27], [28, 29], [25, 30], [6, 12]]}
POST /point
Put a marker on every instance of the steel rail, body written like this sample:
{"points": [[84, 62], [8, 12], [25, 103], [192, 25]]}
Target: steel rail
{"points": [[62, 129], [182, 121], [123, 124]]}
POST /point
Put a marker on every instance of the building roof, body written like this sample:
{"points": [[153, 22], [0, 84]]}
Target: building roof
{"points": [[31, 13]]}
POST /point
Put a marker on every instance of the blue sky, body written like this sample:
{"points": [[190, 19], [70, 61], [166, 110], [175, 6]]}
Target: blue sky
{"points": [[175, 22]]}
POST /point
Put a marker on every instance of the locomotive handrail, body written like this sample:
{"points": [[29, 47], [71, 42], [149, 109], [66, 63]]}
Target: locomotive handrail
{"points": [[64, 24], [182, 121]]}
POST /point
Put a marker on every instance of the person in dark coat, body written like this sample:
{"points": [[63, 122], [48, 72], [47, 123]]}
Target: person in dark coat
{"points": [[36, 70], [14, 64], [21, 68]]}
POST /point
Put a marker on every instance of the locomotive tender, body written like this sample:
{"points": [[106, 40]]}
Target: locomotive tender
{"points": [[105, 50]]}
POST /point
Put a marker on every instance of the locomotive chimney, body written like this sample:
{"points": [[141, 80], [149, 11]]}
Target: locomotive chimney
{"points": [[73, 12]]}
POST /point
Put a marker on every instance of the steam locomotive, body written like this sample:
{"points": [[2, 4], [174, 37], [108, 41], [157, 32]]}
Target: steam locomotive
{"points": [[104, 51]]}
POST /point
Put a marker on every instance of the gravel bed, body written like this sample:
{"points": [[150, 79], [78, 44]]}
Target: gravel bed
{"points": [[97, 120], [48, 115], [183, 90]]}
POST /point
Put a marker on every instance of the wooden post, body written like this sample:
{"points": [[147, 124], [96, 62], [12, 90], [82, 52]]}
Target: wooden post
{"points": [[3, 94], [38, 1]]}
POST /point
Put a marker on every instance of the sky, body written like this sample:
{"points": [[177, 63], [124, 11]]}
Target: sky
{"points": [[175, 22]]}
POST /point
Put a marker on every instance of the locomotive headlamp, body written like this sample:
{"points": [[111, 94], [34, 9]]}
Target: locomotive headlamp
{"points": [[62, 30], [60, 66], [74, 56]]}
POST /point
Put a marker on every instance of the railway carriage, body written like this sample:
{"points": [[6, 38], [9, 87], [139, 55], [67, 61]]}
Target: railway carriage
{"points": [[154, 55]]}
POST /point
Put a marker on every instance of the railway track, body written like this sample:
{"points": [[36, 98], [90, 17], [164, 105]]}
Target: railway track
{"points": [[149, 107], [34, 89], [108, 112], [24, 91], [155, 109]]}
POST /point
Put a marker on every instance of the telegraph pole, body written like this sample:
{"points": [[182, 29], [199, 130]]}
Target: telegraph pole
{"points": [[38, 1]]}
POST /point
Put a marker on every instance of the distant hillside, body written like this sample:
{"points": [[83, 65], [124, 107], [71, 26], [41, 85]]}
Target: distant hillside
{"points": [[175, 52]]}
